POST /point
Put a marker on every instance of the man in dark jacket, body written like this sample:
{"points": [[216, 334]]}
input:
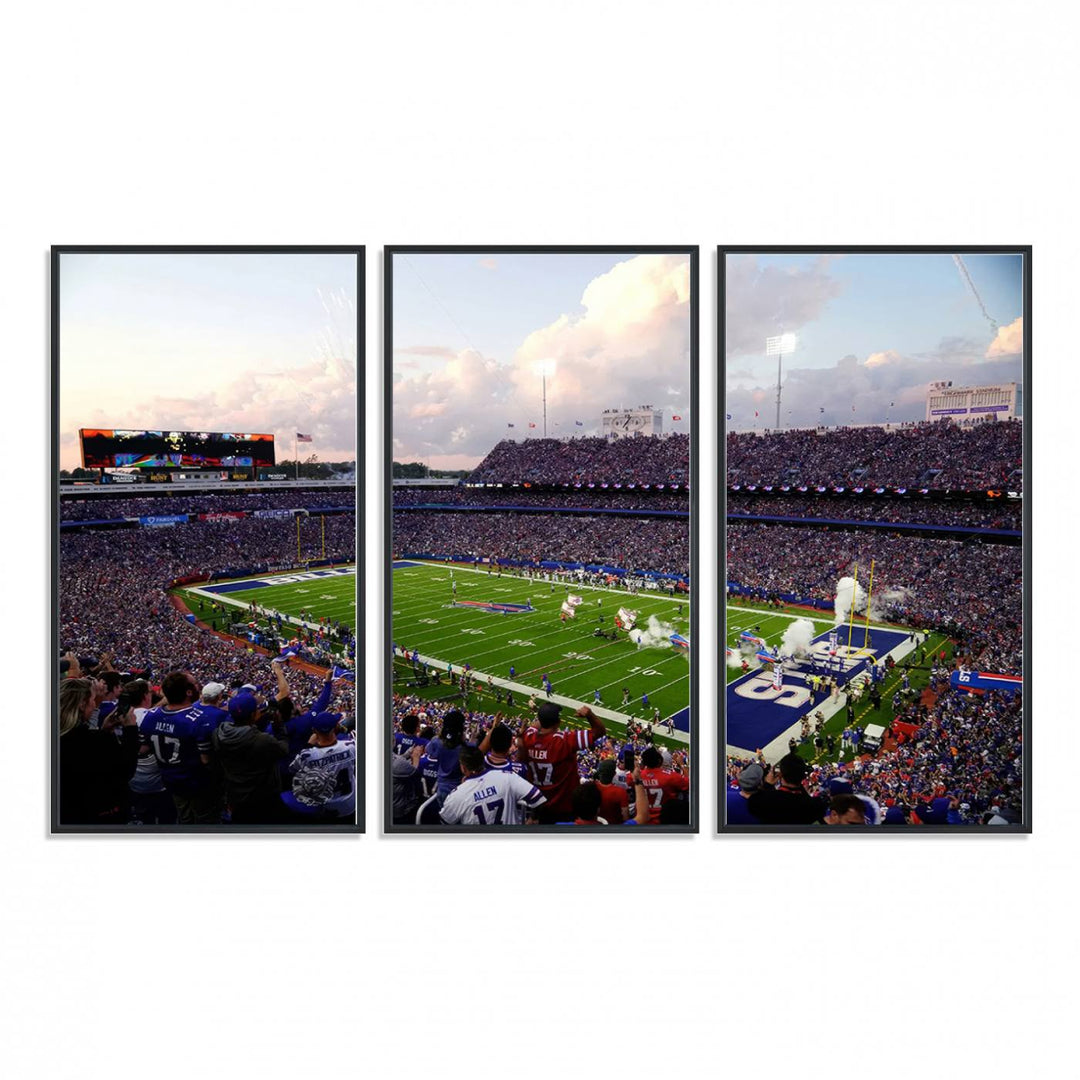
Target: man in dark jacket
{"points": [[249, 759], [787, 802]]}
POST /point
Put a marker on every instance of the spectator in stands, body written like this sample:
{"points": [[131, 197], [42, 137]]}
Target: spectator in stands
{"points": [[406, 781], [551, 757], [782, 799], [94, 765], [751, 779], [488, 796], [249, 760], [446, 751]]}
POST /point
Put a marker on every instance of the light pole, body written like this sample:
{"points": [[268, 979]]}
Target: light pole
{"points": [[546, 368], [777, 346]]}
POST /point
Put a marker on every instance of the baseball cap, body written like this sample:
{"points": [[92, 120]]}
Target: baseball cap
{"points": [[243, 706], [249, 687], [326, 721], [751, 778], [212, 690]]}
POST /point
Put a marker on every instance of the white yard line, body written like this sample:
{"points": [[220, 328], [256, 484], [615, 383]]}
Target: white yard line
{"points": [[292, 620], [536, 580], [481, 679]]}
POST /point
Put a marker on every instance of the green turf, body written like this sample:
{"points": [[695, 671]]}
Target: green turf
{"points": [[773, 623], [332, 597], [536, 642]]}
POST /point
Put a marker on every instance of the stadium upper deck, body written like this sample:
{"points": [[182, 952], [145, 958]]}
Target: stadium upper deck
{"points": [[936, 456]]}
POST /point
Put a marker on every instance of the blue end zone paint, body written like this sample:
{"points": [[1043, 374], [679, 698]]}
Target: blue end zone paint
{"points": [[682, 720], [285, 578], [234, 586], [752, 722], [404, 565]]}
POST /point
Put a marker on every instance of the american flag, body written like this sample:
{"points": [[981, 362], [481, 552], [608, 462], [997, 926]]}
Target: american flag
{"points": [[302, 438]]}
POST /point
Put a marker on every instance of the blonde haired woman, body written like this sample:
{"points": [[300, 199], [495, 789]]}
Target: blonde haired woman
{"points": [[95, 764]]}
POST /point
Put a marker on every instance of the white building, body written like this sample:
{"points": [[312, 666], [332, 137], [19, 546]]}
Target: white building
{"points": [[644, 420], [969, 404]]}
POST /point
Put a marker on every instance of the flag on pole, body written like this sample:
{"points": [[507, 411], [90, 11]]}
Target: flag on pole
{"points": [[756, 413], [578, 423], [822, 409], [728, 415], [509, 425], [531, 424], [302, 438], [676, 417]]}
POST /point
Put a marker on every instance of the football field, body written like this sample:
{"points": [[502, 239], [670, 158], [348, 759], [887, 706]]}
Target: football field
{"points": [[448, 628], [770, 625], [302, 597]]}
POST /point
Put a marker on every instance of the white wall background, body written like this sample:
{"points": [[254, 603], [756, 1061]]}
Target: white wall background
{"points": [[621, 122]]}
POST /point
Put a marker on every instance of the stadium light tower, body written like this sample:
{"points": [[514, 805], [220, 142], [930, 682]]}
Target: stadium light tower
{"points": [[777, 346], [545, 368]]}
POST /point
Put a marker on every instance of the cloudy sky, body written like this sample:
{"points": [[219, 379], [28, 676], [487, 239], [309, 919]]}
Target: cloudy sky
{"points": [[472, 334], [871, 332], [251, 343]]}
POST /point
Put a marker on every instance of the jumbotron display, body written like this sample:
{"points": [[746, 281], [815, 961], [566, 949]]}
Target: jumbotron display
{"points": [[109, 449]]}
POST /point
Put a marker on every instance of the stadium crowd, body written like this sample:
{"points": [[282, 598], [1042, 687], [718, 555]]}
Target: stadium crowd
{"points": [[640, 459], [447, 758], [118, 626], [545, 498], [971, 590], [657, 545], [95, 507], [933, 455], [897, 511], [962, 765]]}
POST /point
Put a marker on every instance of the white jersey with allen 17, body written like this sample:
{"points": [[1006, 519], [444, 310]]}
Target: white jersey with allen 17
{"points": [[491, 798]]}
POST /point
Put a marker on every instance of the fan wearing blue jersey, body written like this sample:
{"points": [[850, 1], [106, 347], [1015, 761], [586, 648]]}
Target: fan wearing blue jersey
{"points": [[174, 732], [407, 737], [496, 745], [488, 796]]}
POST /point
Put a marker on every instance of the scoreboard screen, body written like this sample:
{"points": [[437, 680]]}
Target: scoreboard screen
{"points": [[108, 448]]}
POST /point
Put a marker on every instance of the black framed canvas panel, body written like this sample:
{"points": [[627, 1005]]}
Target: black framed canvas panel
{"points": [[206, 458], [876, 570], [541, 487]]}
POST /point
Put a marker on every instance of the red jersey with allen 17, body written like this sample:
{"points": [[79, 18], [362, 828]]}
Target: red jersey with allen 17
{"points": [[552, 761], [662, 785]]}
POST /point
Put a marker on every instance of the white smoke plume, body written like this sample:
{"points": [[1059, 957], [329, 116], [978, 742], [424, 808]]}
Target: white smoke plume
{"points": [[881, 604], [797, 638], [656, 635], [846, 588], [736, 657]]}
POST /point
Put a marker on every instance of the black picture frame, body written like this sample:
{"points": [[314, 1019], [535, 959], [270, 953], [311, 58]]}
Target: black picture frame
{"points": [[56, 252], [1025, 251], [692, 252]]}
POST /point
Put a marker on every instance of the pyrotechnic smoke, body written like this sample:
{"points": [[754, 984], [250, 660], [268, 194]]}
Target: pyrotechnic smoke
{"points": [[797, 638], [656, 635], [846, 587], [735, 659]]}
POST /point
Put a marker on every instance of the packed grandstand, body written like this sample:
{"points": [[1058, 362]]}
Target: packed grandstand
{"points": [[252, 698], [937, 510], [614, 513]]}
